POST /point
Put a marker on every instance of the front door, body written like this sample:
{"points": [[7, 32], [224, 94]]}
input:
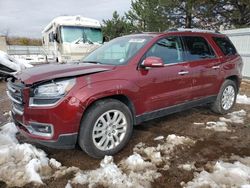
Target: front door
{"points": [[169, 85]]}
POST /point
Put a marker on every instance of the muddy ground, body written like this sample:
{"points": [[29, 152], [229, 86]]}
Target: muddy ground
{"points": [[210, 145]]}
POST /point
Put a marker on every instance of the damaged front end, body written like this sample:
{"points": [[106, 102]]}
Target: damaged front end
{"points": [[42, 112], [44, 103]]}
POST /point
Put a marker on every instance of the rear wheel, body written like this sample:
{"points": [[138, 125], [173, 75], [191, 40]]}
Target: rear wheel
{"points": [[226, 98], [106, 128]]}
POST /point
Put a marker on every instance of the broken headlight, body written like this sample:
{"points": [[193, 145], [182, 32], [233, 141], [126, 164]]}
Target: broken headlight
{"points": [[50, 93]]}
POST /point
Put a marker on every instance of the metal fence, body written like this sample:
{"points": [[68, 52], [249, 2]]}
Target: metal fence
{"points": [[241, 40], [25, 50], [32, 54]]}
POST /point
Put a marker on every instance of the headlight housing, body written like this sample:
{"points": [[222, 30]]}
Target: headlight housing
{"points": [[51, 93]]}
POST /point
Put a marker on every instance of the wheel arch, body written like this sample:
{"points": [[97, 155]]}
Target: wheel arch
{"points": [[236, 79], [120, 97]]}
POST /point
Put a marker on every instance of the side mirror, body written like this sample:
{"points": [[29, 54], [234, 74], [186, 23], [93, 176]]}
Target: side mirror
{"points": [[151, 62]]}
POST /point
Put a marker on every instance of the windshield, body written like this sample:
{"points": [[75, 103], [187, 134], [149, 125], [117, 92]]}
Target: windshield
{"points": [[77, 34], [118, 51]]}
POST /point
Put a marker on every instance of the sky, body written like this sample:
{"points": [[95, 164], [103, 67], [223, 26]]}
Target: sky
{"points": [[28, 17]]}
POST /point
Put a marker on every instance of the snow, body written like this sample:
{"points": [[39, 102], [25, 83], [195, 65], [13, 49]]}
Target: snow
{"points": [[218, 126], [197, 123], [159, 138], [21, 163], [138, 170], [55, 163], [6, 113], [68, 185], [224, 174], [187, 166], [236, 117], [7, 136], [242, 99]]}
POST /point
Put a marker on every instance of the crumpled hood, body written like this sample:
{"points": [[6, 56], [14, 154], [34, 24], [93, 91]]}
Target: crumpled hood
{"points": [[52, 71]]}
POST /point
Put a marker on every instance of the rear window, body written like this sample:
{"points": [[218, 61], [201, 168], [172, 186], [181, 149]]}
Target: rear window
{"points": [[197, 48], [225, 45]]}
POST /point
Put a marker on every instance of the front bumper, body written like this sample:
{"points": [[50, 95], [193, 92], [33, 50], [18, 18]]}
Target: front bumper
{"points": [[64, 141], [63, 121], [54, 125]]}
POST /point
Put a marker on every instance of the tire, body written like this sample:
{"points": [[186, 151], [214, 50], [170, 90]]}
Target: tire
{"points": [[95, 122], [218, 106]]}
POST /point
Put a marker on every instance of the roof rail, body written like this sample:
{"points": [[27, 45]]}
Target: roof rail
{"points": [[192, 30]]}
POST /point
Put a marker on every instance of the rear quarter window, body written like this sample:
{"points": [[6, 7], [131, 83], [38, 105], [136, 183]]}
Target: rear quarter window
{"points": [[225, 45]]}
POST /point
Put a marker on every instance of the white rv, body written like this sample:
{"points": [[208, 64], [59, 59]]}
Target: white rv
{"points": [[70, 38]]}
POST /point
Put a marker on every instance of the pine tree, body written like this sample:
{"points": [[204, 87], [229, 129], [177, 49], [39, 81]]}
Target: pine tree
{"points": [[235, 13], [147, 15], [117, 26], [191, 13]]}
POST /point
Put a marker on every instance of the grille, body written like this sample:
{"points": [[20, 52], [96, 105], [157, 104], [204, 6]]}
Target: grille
{"points": [[15, 93]]}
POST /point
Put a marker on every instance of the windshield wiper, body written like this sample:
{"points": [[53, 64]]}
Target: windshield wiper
{"points": [[89, 41], [83, 41], [93, 62]]}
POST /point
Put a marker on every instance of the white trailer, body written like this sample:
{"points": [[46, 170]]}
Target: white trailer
{"points": [[241, 40], [70, 38]]}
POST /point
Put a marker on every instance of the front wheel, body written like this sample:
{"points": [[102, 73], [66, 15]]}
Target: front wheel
{"points": [[226, 98], [106, 128]]}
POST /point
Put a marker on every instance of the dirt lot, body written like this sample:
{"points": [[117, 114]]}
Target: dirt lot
{"points": [[210, 145]]}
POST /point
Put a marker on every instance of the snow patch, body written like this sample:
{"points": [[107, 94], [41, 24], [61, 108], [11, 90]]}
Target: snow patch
{"points": [[242, 99], [218, 126], [197, 123], [55, 163], [236, 117], [68, 185], [224, 174], [21, 163], [159, 138], [137, 170], [187, 166], [6, 113], [110, 175], [161, 154]]}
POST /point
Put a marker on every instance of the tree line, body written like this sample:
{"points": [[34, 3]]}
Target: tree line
{"points": [[161, 15]]}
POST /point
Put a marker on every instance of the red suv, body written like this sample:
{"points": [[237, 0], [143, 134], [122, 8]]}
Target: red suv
{"points": [[130, 79]]}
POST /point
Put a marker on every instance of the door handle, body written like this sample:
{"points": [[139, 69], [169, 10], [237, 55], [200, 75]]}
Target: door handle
{"points": [[216, 67], [183, 72]]}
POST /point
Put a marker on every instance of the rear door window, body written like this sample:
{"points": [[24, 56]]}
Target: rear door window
{"points": [[225, 45], [169, 49], [197, 48]]}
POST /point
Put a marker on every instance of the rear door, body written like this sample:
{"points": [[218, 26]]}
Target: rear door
{"points": [[204, 66]]}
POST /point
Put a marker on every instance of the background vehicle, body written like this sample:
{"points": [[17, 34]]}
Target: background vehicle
{"points": [[128, 80], [10, 65], [70, 38]]}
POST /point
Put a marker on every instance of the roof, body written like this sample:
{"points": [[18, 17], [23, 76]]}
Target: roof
{"points": [[73, 21], [179, 32]]}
